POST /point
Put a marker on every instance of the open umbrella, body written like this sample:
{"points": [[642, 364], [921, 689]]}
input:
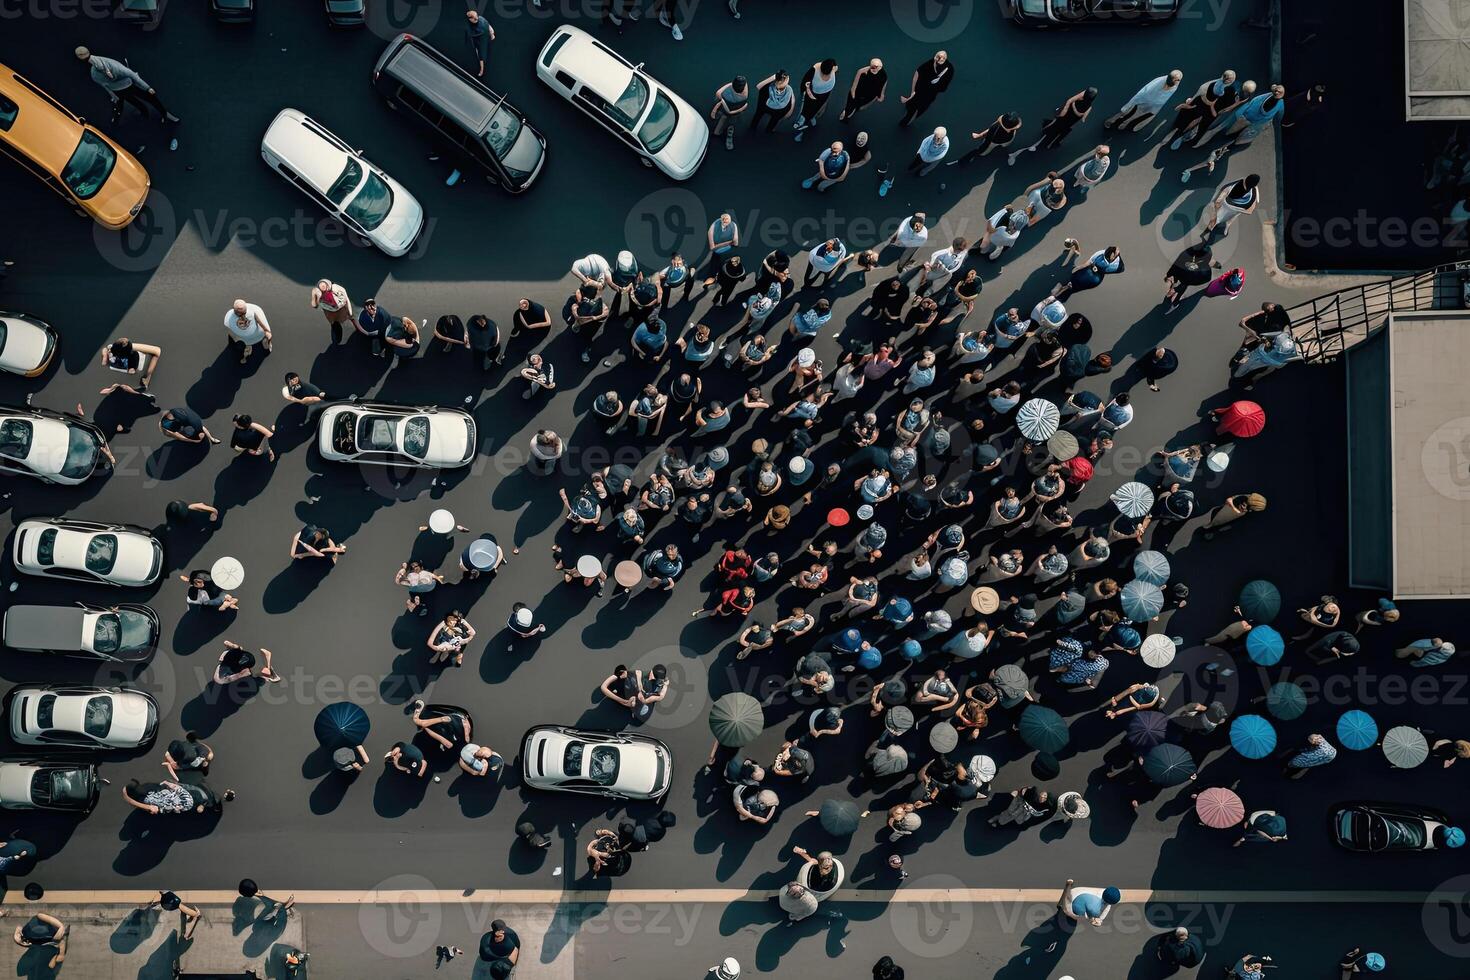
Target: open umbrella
{"points": [[889, 761], [1265, 646], [736, 719], [1011, 681], [1252, 736], [1286, 701], [893, 693], [1147, 729], [981, 768], [1260, 601], [1037, 419], [341, 723], [1079, 469], [1043, 729], [1168, 764], [483, 553], [1133, 499], [1219, 808], [899, 719], [1062, 446], [839, 817], [943, 737], [1405, 747], [1242, 419], [1151, 566], [1157, 651], [1356, 730], [1141, 601]]}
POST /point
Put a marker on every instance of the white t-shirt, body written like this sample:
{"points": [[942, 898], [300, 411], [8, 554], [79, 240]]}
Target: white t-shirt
{"points": [[592, 266], [1153, 96], [907, 237], [1007, 230], [253, 330], [945, 262]]}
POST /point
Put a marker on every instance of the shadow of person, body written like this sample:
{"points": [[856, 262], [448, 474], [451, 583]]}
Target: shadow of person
{"points": [[174, 458], [198, 626], [135, 927], [1041, 950], [35, 964], [147, 838], [395, 793]]}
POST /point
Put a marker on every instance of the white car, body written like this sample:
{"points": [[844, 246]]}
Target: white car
{"points": [[27, 784], [667, 132], [82, 717], [125, 633], [342, 181], [110, 554], [397, 435], [57, 447], [624, 765], [26, 344]]}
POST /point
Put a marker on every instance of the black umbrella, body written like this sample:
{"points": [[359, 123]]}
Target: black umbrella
{"points": [[341, 723]]}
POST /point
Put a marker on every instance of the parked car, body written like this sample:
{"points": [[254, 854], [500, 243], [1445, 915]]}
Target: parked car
{"points": [[97, 177], [233, 11], [663, 129], [82, 717], [125, 633], [340, 179], [83, 551], [1375, 828], [346, 13], [396, 435], [625, 765], [479, 128], [26, 784], [57, 447], [1063, 13], [26, 344]]}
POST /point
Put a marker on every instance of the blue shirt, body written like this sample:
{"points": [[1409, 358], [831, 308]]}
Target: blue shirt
{"points": [[723, 235], [833, 163], [808, 322], [375, 324], [649, 341]]}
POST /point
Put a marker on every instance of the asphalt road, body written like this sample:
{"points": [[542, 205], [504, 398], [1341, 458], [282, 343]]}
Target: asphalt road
{"points": [[223, 226]]}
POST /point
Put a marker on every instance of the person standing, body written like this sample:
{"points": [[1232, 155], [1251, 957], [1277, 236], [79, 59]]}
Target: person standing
{"points": [[587, 315], [170, 902], [128, 357], [123, 85], [941, 266], [832, 168], [932, 149], [816, 88], [1062, 122], [372, 322], [1232, 200], [998, 134], [1090, 172], [731, 99], [722, 238], [910, 236], [478, 34], [247, 326], [774, 98], [869, 85], [930, 79], [332, 300], [1146, 103], [1200, 109], [1254, 117]]}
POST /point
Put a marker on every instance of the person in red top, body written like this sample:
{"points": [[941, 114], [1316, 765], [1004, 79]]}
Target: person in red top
{"points": [[735, 600], [735, 566]]}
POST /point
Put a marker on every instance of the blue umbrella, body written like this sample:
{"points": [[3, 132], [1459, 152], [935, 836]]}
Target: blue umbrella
{"points": [[1151, 566], [1357, 730], [1043, 729], [341, 723], [1265, 645], [1286, 701], [1141, 601], [1147, 729], [1260, 600], [1252, 736], [1169, 764]]}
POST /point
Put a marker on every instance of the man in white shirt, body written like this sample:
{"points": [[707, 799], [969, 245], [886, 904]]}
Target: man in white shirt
{"points": [[933, 149], [910, 236], [247, 326], [941, 265], [1146, 103], [593, 269]]}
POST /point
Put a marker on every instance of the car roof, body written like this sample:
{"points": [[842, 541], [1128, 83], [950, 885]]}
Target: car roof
{"points": [[594, 64], [308, 146], [48, 131], [456, 95]]}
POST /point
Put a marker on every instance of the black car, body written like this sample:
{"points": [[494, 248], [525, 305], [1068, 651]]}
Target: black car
{"points": [[233, 11], [1377, 828], [346, 13], [1065, 13]]}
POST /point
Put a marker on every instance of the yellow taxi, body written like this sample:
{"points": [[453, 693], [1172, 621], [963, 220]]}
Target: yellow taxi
{"points": [[73, 158]]}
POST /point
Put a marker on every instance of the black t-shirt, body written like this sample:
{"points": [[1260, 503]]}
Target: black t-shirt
{"points": [[169, 902], [490, 949], [177, 510], [933, 79], [869, 84], [182, 421], [187, 754], [409, 754], [450, 326], [778, 260], [483, 338], [1342, 640], [37, 931], [535, 314], [304, 389], [235, 661]]}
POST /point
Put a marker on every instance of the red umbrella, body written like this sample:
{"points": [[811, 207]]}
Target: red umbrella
{"points": [[837, 517], [1219, 808], [1241, 419], [1079, 470]]}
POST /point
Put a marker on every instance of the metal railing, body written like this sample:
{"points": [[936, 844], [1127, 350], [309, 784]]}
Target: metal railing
{"points": [[1326, 326]]}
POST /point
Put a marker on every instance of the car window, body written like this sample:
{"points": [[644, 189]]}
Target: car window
{"points": [[46, 547], [137, 631], [504, 127], [89, 167], [342, 434], [81, 453], [4, 333], [98, 720], [372, 203], [46, 711], [101, 553], [604, 765], [416, 436], [345, 183], [571, 762], [8, 111], [66, 786], [15, 438], [630, 104], [107, 633], [551, 49], [659, 126], [378, 433]]}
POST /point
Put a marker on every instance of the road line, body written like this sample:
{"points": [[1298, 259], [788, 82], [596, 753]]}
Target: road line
{"points": [[724, 896]]}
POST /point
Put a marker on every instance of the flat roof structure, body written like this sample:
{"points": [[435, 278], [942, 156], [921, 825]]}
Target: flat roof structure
{"points": [[1436, 59], [1409, 456]]}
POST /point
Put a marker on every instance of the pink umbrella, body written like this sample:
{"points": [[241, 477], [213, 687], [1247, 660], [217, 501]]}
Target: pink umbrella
{"points": [[1219, 808]]}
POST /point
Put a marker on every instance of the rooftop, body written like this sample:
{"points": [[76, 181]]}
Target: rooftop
{"points": [[1436, 59]]}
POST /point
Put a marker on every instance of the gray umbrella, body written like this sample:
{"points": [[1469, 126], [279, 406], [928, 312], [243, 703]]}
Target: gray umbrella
{"points": [[1012, 681], [483, 553], [736, 719], [889, 761], [943, 737], [839, 817], [899, 719]]}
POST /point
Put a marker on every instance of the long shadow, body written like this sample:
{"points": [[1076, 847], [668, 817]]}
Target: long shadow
{"points": [[148, 838], [220, 382], [211, 707], [198, 626], [292, 584]]}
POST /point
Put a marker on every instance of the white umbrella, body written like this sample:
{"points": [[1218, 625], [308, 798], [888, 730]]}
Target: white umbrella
{"points": [[1157, 650], [982, 768], [1133, 499], [1038, 419]]}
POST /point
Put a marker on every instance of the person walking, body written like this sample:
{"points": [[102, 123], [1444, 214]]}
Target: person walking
{"points": [[251, 438], [722, 238], [43, 929], [247, 326], [477, 35], [774, 99], [372, 323], [123, 85], [943, 264], [170, 902], [869, 85], [1062, 122], [832, 168], [1232, 200], [332, 300], [932, 149], [816, 89], [731, 99], [1198, 112], [419, 582], [1090, 172], [930, 80], [997, 135], [910, 235], [1146, 103]]}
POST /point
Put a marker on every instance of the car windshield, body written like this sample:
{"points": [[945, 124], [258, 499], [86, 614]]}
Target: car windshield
{"points": [[659, 126], [46, 711], [89, 166], [46, 547], [630, 104], [571, 762], [416, 436], [346, 183], [66, 786], [15, 438], [81, 453], [342, 434], [4, 332], [504, 127], [98, 721], [1403, 834], [604, 768], [101, 553], [372, 203], [137, 631], [107, 634]]}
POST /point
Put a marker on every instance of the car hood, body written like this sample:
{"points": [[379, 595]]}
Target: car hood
{"points": [[448, 439], [404, 221], [134, 558], [25, 344], [15, 782], [637, 770], [526, 153], [44, 627], [48, 445], [690, 140]]}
